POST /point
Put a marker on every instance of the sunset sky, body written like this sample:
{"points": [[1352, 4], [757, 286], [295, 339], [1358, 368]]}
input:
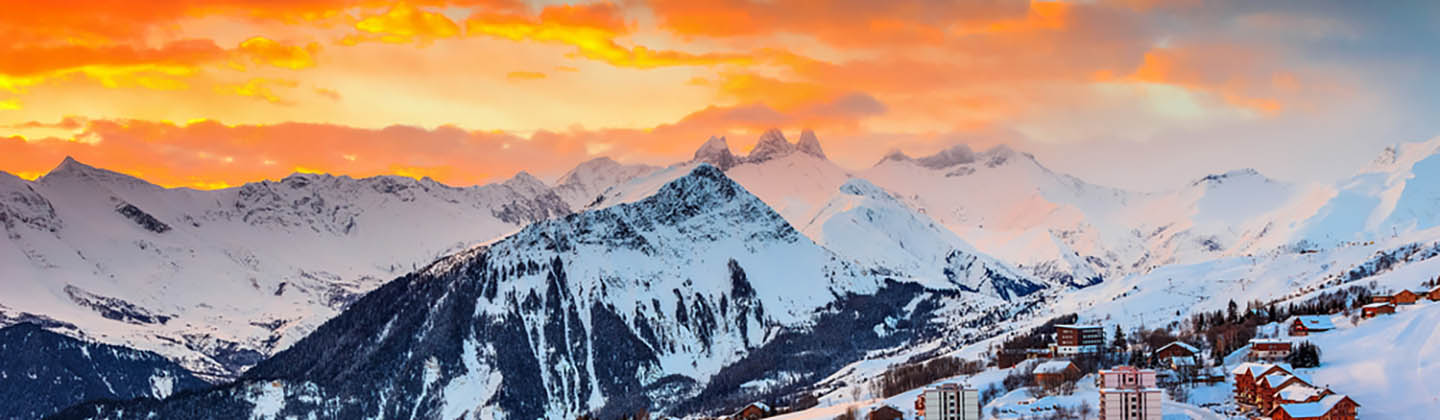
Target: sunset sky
{"points": [[1132, 93]]}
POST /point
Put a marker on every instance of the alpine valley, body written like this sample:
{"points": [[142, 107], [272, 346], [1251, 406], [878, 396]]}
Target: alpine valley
{"points": [[687, 290]]}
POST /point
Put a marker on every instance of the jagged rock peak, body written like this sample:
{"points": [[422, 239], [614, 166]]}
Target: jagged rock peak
{"points": [[951, 156], [772, 145], [810, 145], [894, 155], [716, 152]]}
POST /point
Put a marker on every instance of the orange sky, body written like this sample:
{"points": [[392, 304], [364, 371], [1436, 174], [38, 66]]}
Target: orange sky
{"points": [[210, 94]]}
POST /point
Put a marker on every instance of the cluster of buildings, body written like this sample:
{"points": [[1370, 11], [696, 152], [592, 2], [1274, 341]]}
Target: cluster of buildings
{"points": [[1381, 305], [1279, 393]]}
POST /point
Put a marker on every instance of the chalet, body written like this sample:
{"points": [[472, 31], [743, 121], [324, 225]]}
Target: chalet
{"points": [[1302, 325], [885, 412], [1433, 294], [754, 411], [1247, 378], [1270, 349], [1406, 297], [1376, 309], [1269, 386], [1056, 371], [1330, 407], [1177, 355]]}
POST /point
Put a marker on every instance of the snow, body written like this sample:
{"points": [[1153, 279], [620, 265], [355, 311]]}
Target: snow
{"points": [[269, 399], [1386, 364], [1313, 322]]}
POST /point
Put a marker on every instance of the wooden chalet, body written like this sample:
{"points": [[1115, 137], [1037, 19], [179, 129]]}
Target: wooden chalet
{"points": [[754, 411], [1433, 294], [1330, 407], [1302, 325], [885, 412], [1056, 371], [1376, 309]]}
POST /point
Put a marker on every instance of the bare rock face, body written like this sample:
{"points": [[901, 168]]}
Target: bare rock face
{"points": [[716, 152], [772, 145], [810, 145]]}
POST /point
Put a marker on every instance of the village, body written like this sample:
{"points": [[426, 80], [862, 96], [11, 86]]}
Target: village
{"points": [[1252, 364]]}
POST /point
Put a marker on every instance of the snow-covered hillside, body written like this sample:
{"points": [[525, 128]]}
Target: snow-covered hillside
{"points": [[220, 279]]}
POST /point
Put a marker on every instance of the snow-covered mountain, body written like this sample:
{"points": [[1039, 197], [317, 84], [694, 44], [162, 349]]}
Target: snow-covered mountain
{"points": [[42, 372], [220, 279], [583, 185], [670, 303], [869, 225]]}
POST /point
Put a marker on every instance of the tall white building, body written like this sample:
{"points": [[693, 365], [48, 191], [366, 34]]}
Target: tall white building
{"points": [[948, 402], [1127, 393]]}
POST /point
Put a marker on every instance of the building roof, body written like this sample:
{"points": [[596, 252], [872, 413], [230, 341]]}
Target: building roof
{"points": [[1315, 322], [1182, 345], [1269, 341], [1298, 391], [1078, 326], [1246, 367], [1053, 366], [1378, 305], [1257, 369], [1313, 409]]}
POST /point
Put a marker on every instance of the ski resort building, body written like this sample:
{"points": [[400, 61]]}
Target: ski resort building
{"points": [[1302, 325], [754, 411], [1247, 380], [948, 402], [1127, 393], [1177, 355], [1405, 297], [1433, 294], [1330, 407], [1269, 349], [1071, 339], [1056, 371], [1376, 309]]}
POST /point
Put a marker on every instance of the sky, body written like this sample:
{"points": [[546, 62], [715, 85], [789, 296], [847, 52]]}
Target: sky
{"points": [[1140, 94]]}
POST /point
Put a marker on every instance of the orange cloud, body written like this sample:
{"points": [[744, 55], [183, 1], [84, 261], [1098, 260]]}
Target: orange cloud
{"points": [[262, 50], [1242, 77], [260, 88], [592, 30], [208, 154], [404, 23], [525, 75]]}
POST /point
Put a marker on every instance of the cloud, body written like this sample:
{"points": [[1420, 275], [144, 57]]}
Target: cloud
{"points": [[263, 50], [592, 29], [404, 23], [260, 88], [525, 75]]}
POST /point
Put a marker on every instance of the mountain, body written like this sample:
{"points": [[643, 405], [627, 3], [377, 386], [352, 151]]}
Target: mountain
{"points": [[581, 186], [218, 280], [43, 372], [870, 225], [693, 300]]}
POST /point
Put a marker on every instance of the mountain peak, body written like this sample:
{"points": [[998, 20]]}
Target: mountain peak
{"points": [[716, 152], [577, 174], [951, 156], [70, 168], [809, 144], [772, 145]]}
